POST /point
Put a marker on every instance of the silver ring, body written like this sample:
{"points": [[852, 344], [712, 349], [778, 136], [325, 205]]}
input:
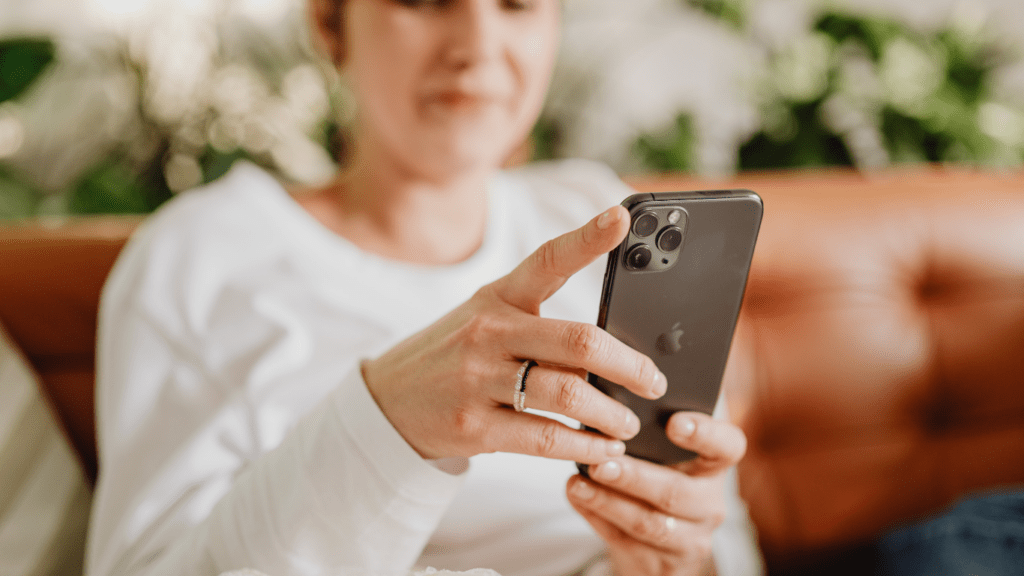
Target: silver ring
{"points": [[519, 396], [670, 527]]}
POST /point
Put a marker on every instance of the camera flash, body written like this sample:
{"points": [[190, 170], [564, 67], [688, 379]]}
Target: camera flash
{"points": [[674, 216]]}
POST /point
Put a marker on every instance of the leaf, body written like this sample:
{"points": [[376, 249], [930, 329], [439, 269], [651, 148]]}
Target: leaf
{"points": [[111, 187], [671, 151], [17, 199], [22, 60]]}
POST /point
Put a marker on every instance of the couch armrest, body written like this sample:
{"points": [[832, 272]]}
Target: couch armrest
{"points": [[51, 274]]}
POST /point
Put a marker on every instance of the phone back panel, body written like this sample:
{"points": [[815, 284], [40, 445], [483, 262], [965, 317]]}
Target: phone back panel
{"points": [[683, 317]]}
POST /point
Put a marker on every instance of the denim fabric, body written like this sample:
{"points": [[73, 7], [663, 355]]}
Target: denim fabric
{"points": [[981, 536]]}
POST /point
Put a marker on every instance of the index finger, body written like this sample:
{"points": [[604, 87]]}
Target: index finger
{"points": [[535, 279]]}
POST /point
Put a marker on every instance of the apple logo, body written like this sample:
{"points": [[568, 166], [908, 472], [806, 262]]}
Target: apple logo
{"points": [[669, 342]]}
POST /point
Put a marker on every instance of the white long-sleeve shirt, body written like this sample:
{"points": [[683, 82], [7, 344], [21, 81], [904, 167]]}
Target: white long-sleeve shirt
{"points": [[234, 427]]}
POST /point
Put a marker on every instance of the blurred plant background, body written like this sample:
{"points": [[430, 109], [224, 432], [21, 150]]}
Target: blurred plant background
{"points": [[112, 106]]}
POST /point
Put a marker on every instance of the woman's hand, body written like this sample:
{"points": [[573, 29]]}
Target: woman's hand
{"points": [[658, 520], [448, 389]]}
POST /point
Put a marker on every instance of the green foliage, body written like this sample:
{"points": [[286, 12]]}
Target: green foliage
{"points": [[943, 125], [731, 12], [16, 198], [545, 139], [808, 145], [111, 187], [215, 163], [925, 97], [872, 33], [851, 90], [22, 60], [123, 179], [671, 151], [116, 186]]}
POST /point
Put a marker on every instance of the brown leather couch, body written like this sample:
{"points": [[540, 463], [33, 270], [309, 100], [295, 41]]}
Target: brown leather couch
{"points": [[878, 369]]}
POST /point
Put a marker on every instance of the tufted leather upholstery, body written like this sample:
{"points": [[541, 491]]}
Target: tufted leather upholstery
{"points": [[878, 368]]}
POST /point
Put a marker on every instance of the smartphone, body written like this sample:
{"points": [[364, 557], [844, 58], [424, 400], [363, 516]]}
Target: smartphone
{"points": [[672, 290]]}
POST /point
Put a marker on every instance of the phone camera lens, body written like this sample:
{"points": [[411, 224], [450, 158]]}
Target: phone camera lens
{"points": [[645, 225], [638, 257], [670, 238]]}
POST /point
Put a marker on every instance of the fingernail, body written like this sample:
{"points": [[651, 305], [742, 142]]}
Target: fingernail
{"points": [[605, 219], [687, 427], [660, 385], [632, 425], [615, 448], [584, 491], [607, 471]]}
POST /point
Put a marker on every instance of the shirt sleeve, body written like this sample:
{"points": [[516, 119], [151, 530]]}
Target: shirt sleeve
{"points": [[343, 492], [331, 489], [734, 543]]}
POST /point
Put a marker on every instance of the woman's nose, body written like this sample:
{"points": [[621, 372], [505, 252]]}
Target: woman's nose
{"points": [[474, 32]]}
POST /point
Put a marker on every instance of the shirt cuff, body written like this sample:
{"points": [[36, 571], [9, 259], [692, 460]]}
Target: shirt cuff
{"points": [[394, 460]]}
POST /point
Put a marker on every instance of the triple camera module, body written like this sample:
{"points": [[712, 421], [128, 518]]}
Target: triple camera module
{"points": [[655, 238]]}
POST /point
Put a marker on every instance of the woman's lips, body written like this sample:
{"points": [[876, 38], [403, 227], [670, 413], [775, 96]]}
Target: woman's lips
{"points": [[458, 99]]}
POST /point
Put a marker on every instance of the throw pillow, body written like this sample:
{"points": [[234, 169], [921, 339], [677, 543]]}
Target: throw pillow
{"points": [[44, 497]]}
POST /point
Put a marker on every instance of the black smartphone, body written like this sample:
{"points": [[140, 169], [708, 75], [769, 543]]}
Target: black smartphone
{"points": [[672, 290]]}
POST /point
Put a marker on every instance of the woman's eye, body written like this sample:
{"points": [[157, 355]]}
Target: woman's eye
{"points": [[509, 5], [424, 3], [517, 5]]}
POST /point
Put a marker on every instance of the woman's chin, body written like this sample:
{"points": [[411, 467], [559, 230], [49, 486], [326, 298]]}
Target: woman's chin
{"points": [[459, 159]]}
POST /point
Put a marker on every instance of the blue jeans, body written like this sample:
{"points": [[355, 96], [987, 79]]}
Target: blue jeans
{"points": [[980, 536]]}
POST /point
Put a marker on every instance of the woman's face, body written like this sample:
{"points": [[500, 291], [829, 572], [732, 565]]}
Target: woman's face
{"points": [[447, 86]]}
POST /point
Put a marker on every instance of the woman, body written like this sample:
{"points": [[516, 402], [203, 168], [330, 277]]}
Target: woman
{"points": [[294, 383]]}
